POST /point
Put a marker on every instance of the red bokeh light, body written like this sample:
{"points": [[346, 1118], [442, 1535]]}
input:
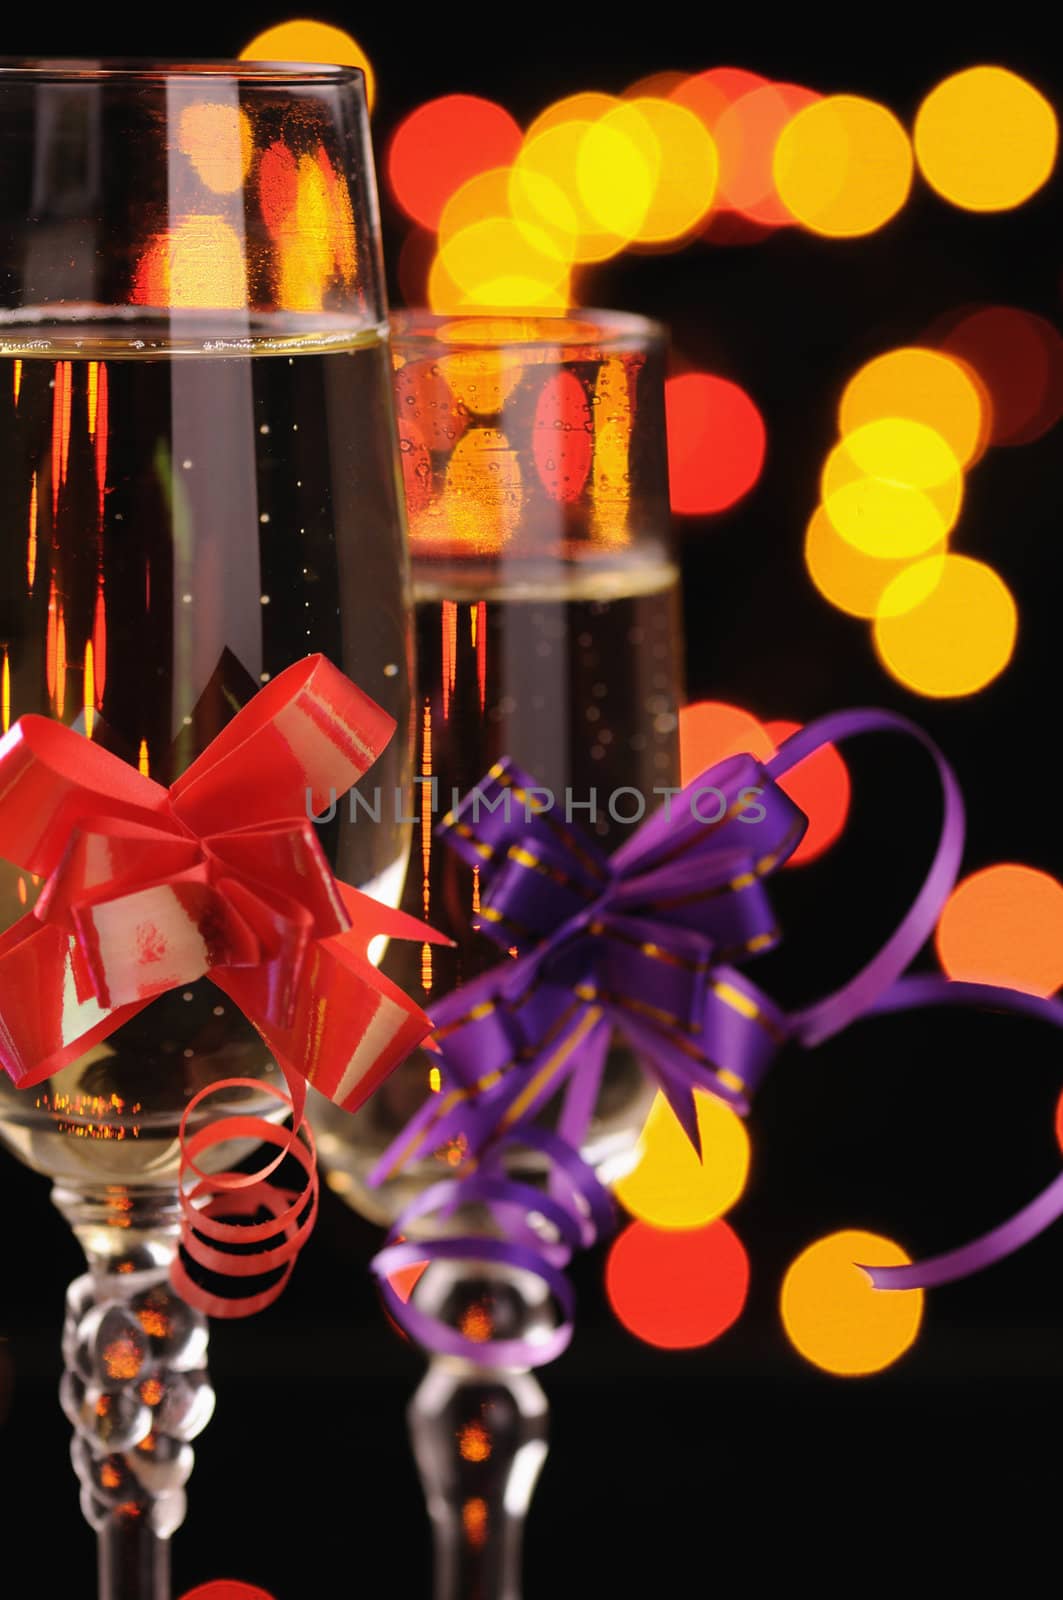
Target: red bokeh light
{"points": [[441, 145], [716, 443], [746, 134], [227, 1589], [1019, 358], [677, 1290], [820, 786], [563, 436], [708, 94]]}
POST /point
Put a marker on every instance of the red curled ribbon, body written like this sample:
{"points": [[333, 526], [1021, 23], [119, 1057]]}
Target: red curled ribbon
{"points": [[221, 875]]}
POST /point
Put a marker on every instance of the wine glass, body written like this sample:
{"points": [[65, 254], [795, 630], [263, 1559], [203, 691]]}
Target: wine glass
{"points": [[548, 629], [198, 483]]}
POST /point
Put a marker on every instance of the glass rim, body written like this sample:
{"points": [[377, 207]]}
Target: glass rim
{"points": [[133, 69], [579, 327]]}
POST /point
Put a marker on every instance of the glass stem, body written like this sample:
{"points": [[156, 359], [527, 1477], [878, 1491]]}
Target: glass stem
{"points": [[134, 1386], [480, 1439]]}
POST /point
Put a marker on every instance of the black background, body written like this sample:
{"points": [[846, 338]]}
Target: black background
{"points": [[737, 1465]]}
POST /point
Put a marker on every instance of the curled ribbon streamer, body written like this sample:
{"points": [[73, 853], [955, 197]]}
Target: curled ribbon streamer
{"points": [[1033, 1218], [641, 942], [576, 1211], [221, 875]]}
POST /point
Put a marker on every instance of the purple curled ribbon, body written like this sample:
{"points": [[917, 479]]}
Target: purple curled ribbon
{"points": [[647, 942]]}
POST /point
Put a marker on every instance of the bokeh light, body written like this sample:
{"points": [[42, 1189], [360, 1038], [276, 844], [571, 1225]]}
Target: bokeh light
{"points": [[563, 439], [1019, 358], [716, 443], [670, 1186], [832, 1314], [483, 495], [892, 488], [843, 166], [549, 162], [985, 139], [708, 94], [303, 40], [1004, 925], [820, 786], [442, 144], [586, 106], [226, 1589], [959, 633], [677, 1290], [924, 386], [687, 172], [618, 163], [1058, 1123], [747, 132], [198, 263], [499, 251], [712, 730], [219, 143], [850, 579]]}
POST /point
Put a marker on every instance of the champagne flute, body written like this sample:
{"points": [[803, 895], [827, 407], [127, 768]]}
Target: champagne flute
{"points": [[198, 483], [548, 630]]}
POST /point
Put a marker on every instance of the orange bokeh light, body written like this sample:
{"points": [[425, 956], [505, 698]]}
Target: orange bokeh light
{"points": [[712, 730], [716, 443], [441, 145], [677, 1290], [305, 40], [1004, 925]]}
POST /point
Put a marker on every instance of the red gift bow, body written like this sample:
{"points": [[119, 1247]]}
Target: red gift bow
{"points": [[148, 889]]}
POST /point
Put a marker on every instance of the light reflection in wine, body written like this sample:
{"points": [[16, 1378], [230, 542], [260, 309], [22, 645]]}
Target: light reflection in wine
{"points": [[31, 542]]}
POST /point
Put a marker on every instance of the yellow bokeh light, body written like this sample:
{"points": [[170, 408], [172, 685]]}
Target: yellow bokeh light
{"points": [[957, 636], [688, 170], [558, 203], [218, 141], [482, 379], [617, 166], [670, 1187], [923, 386], [499, 249], [198, 263], [536, 204], [611, 466], [303, 40], [985, 139], [833, 1315], [843, 166], [586, 106], [849, 578], [483, 495], [893, 488]]}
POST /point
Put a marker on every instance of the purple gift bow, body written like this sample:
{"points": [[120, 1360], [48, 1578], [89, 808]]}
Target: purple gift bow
{"points": [[545, 884]]}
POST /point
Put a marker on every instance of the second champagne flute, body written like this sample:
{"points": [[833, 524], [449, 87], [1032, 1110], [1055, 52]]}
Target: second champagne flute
{"points": [[548, 630]]}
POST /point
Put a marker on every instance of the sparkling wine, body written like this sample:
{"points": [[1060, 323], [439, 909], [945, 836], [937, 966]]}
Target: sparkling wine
{"points": [[575, 677], [183, 518]]}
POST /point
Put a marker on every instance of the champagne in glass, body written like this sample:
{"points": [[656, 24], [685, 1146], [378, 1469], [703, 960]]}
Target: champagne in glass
{"points": [[548, 630], [198, 487]]}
